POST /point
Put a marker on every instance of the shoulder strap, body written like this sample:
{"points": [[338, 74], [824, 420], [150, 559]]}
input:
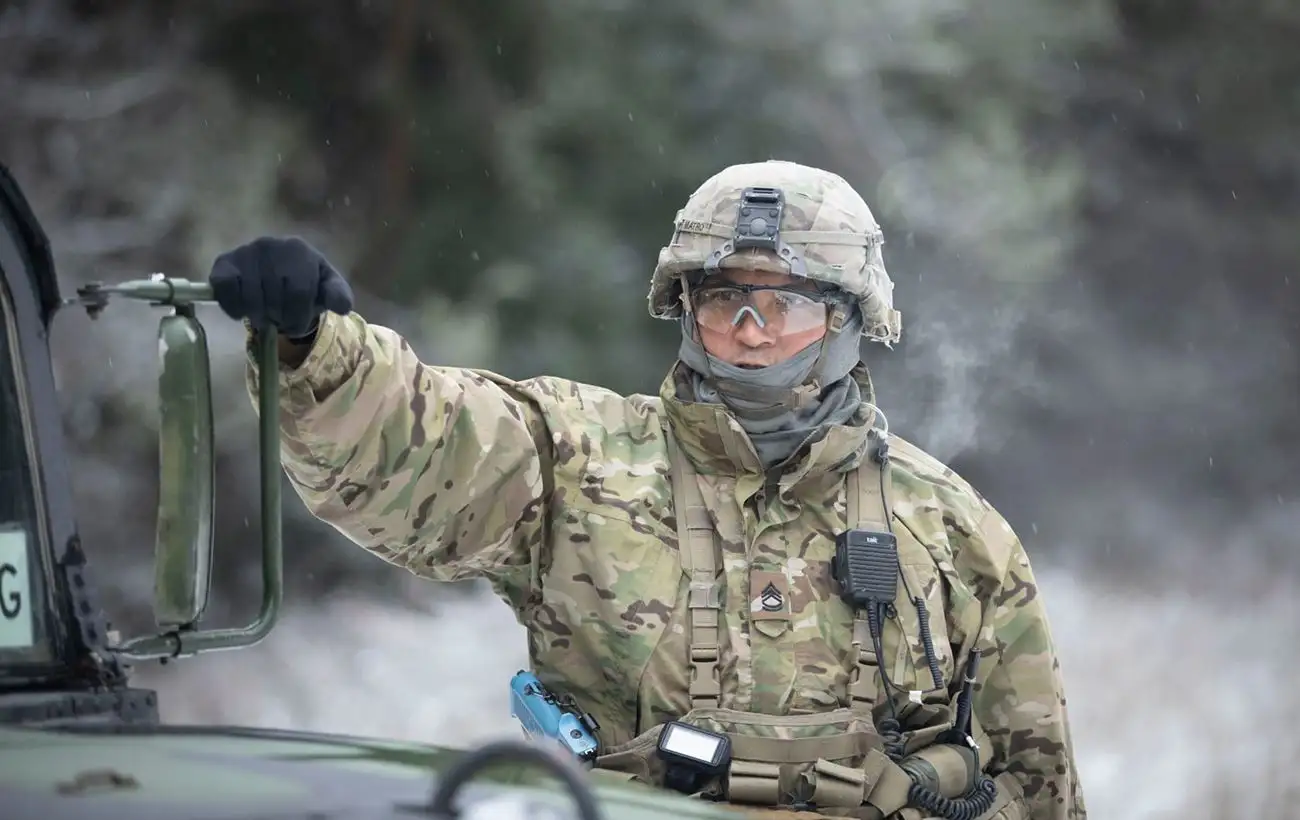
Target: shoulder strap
{"points": [[869, 502], [695, 540]]}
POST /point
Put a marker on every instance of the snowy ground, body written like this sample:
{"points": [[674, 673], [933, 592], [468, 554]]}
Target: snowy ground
{"points": [[1171, 699]]}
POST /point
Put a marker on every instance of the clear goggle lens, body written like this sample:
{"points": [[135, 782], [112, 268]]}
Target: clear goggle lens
{"points": [[777, 310]]}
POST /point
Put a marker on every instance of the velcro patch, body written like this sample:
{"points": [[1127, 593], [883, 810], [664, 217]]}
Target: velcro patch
{"points": [[769, 596]]}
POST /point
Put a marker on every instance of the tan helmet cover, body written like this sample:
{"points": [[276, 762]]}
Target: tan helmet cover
{"points": [[826, 232]]}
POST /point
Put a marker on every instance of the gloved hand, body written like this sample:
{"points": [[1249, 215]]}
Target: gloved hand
{"points": [[281, 282]]}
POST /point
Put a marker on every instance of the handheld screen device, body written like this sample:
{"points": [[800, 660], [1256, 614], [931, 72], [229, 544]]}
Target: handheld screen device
{"points": [[692, 755]]}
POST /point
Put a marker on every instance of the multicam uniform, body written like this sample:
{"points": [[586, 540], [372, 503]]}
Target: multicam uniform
{"points": [[714, 601]]}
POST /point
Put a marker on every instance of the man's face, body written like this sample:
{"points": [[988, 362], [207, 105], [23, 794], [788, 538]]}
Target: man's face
{"points": [[729, 319]]}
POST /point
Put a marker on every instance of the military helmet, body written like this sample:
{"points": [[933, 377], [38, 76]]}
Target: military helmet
{"points": [[783, 217]]}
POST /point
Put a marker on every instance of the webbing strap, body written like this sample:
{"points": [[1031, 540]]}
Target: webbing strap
{"points": [[861, 240], [870, 491], [869, 499], [699, 561], [802, 749]]}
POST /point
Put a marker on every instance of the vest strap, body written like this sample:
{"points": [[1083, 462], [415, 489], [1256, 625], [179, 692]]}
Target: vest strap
{"points": [[869, 501], [700, 564]]}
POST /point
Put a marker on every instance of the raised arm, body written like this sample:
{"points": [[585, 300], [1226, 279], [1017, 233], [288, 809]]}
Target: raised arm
{"points": [[442, 471]]}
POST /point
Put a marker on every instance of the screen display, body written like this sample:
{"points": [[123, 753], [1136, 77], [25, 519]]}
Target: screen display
{"points": [[687, 742]]}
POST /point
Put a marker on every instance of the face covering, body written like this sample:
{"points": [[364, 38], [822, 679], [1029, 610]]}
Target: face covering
{"points": [[770, 405]]}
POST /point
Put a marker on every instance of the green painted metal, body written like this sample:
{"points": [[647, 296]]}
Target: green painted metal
{"points": [[188, 773], [182, 393]]}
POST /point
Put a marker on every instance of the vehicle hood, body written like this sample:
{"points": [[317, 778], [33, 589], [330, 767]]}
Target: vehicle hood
{"points": [[232, 773]]}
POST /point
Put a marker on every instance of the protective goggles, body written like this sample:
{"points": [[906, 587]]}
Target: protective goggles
{"points": [[777, 309]]}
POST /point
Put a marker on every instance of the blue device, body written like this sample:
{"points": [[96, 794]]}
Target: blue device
{"points": [[557, 719]]}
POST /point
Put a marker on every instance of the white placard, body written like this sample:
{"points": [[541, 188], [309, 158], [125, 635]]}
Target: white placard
{"points": [[16, 622]]}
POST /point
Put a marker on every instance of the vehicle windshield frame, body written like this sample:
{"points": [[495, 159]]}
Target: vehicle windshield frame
{"points": [[43, 657]]}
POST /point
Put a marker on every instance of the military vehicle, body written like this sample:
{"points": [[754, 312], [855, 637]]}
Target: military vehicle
{"points": [[76, 739]]}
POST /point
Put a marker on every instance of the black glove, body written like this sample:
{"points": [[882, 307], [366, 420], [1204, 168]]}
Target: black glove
{"points": [[282, 282]]}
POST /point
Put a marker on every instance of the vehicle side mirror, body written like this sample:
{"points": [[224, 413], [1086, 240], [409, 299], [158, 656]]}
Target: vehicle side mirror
{"points": [[183, 549], [187, 473]]}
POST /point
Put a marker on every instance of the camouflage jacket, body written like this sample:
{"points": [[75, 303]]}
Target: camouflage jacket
{"points": [[558, 493]]}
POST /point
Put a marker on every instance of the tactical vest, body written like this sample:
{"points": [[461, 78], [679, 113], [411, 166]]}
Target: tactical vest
{"points": [[835, 763]]}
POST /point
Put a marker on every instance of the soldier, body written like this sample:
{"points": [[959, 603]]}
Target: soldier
{"points": [[749, 557]]}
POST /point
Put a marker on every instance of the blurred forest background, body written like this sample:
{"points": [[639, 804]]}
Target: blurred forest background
{"points": [[1091, 210]]}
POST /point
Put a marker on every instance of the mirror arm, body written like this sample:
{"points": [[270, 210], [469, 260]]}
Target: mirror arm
{"points": [[161, 290], [183, 643]]}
